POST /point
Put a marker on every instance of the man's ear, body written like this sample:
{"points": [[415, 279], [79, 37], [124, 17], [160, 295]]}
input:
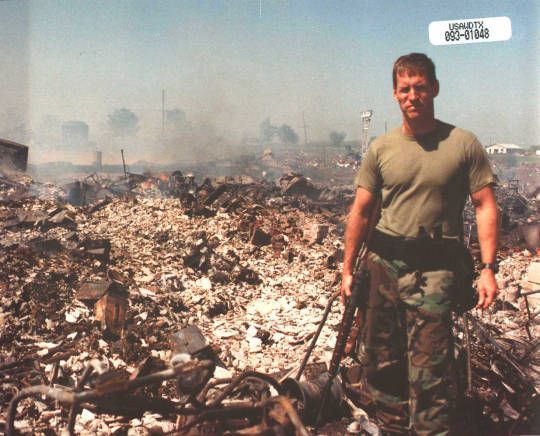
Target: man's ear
{"points": [[436, 88], [394, 93]]}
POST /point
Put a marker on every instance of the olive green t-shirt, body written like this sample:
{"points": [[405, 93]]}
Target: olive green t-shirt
{"points": [[424, 182]]}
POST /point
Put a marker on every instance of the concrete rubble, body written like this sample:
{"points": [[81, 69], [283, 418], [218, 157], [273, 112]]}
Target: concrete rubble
{"points": [[148, 274]]}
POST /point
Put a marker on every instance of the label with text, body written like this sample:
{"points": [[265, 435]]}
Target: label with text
{"points": [[470, 30]]}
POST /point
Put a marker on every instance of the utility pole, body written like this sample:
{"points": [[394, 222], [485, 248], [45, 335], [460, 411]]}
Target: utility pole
{"points": [[305, 128], [124, 164], [366, 120], [163, 111]]}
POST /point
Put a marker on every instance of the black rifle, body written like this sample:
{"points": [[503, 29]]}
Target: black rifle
{"points": [[356, 301]]}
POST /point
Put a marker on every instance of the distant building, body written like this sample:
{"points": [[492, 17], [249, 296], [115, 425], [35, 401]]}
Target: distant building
{"points": [[504, 149], [75, 133]]}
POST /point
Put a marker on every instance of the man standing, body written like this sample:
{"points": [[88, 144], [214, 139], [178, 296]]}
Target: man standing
{"points": [[422, 172]]}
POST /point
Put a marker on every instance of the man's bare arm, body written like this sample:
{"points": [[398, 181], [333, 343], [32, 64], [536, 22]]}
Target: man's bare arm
{"points": [[488, 235], [355, 234]]}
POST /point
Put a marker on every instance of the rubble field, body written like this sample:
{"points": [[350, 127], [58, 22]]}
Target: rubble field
{"points": [[108, 282]]}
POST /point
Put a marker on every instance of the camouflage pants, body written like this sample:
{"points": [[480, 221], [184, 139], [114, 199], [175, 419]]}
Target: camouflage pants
{"points": [[407, 347]]}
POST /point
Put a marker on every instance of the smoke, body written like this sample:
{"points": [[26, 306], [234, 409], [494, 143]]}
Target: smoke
{"points": [[14, 70], [123, 122], [337, 138], [176, 121], [285, 133], [13, 126], [267, 131]]}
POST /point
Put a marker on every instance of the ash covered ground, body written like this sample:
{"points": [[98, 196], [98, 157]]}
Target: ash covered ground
{"points": [[251, 262]]}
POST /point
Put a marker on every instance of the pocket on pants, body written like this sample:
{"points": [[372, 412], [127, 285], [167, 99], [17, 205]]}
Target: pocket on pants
{"points": [[430, 293], [429, 318]]}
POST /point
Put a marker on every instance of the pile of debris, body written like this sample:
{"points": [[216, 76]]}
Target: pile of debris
{"points": [[169, 305]]}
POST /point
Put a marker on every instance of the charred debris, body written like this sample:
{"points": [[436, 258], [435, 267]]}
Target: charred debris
{"points": [[166, 305]]}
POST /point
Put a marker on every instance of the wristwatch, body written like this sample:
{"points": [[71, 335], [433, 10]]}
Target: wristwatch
{"points": [[492, 266]]}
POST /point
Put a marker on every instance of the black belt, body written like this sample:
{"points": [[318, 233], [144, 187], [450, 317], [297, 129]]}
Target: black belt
{"points": [[421, 253]]}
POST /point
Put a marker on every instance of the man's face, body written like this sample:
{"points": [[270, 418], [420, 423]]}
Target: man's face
{"points": [[414, 94]]}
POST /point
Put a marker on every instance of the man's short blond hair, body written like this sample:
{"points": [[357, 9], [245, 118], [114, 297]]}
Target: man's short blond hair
{"points": [[414, 63]]}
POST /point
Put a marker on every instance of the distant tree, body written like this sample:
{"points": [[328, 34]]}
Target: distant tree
{"points": [[337, 138], [267, 131], [287, 134], [177, 120], [123, 122]]}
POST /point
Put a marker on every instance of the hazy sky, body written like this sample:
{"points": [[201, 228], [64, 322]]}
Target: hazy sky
{"points": [[230, 64]]}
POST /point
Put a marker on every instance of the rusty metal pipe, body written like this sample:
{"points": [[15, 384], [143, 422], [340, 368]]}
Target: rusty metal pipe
{"points": [[527, 327], [223, 412], [317, 333], [73, 398], [63, 396], [74, 409], [247, 374], [292, 415], [167, 374], [212, 384], [325, 392], [242, 410]]}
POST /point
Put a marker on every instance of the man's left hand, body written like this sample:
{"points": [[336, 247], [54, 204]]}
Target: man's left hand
{"points": [[487, 289]]}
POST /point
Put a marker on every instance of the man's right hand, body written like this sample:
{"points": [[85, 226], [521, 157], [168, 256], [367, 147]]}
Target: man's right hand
{"points": [[346, 285]]}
